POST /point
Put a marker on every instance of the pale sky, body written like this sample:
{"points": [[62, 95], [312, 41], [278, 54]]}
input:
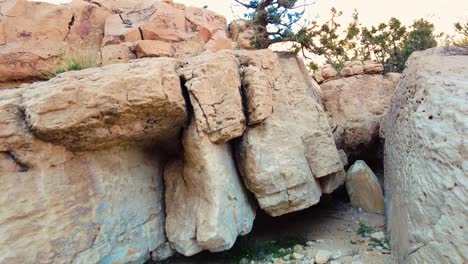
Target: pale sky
{"points": [[443, 13]]}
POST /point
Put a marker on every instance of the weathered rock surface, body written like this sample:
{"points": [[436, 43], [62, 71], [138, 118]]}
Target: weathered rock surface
{"points": [[206, 203], [426, 159], [168, 23], [363, 188], [35, 35], [357, 104], [241, 34], [213, 83], [104, 106], [259, 71], [272, 157], [63, 207]]}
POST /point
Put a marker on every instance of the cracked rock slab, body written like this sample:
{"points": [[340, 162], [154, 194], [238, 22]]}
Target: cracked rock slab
{"points": [[426, 150], [105, 106], [206, 203], [272, 156], [213, 84]]}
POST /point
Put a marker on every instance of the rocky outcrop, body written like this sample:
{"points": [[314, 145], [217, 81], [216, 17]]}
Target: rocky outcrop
{"points": [[363, 188], [84, 207], [273, 156], [350, 68], [32, 46], [356, 106], [207, 205], [425, 159], [217, 108], [104, 106]]}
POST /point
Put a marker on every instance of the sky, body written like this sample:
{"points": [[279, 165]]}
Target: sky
{"points": [[443, 13]]}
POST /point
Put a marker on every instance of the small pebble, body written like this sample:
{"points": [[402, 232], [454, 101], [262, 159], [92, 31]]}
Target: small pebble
{"points": [[297, 256], [322, 256], [378, 236]]}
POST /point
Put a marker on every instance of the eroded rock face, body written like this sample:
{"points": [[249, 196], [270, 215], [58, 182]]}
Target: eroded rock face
{"points": [[64, 207], [35, 35], [272, 157], [207, 205], [426, 159], [213, 83], [105, 106], [356, 105]]}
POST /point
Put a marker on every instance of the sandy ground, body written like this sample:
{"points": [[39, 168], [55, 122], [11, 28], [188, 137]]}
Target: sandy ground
{"points": [[332, 223]]}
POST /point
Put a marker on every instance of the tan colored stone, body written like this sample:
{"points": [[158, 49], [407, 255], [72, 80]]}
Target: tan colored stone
{"points": [[372, 67], [328, 72], [352, 68], [213, 84], [86, 207], [219, 41], [356, 104], [321, 152], [259, 72], [364, 189], [35, 35], [206, 203], [99, 107], [120, 53], [426, 159], [271, 156], [153, 48]]}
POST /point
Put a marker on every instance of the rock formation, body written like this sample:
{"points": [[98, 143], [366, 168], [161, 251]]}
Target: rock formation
{"points": [[426, 159], [363, 188], [356, 105], [206, 203], [276, 157]]}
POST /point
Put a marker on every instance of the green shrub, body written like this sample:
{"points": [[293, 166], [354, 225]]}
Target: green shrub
{"points": [[78, 61]]}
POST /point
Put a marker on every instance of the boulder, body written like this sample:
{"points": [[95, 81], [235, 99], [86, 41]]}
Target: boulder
{"points": [[218, 108], [351, 68], [259, 71], [272, 156], [363, 188], [153, 48], [207, 206], [328, 72], [86, 207], [105, 106], [241, 34], [372, 67], [426, 159], [34, 36], [356, 105], [119, 53], [219, 41]]}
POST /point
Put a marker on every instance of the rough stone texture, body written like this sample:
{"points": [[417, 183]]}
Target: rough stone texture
{"points": [[426, 159], [163, 252], [119, 53], [219, 41], [241, 34], [99, 107], [259, 72], [372, 67], [35, 35], [271, 155], [207, 206], [62, 207], [167, 22], [356, 104], [213, 84], [153, 48], [351, 68], [363, 188]]}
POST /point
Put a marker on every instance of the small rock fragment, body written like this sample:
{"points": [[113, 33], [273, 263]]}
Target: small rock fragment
{"points": [[322, 256], [378, 236]]}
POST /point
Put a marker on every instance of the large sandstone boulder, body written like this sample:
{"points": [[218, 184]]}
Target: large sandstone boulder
{"points": [[106, 106], [34, 36], [213, 84], [363, 188], [207, 205], [276, 157], [356, 106], [63, 207], [426, 159]]}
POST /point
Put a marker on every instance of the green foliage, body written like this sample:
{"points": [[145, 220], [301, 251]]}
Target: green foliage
{"points": [[272, 20], [252, 249], [328, 40], [421, 37], [462, 29], [364, 230], [78, 61]]}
